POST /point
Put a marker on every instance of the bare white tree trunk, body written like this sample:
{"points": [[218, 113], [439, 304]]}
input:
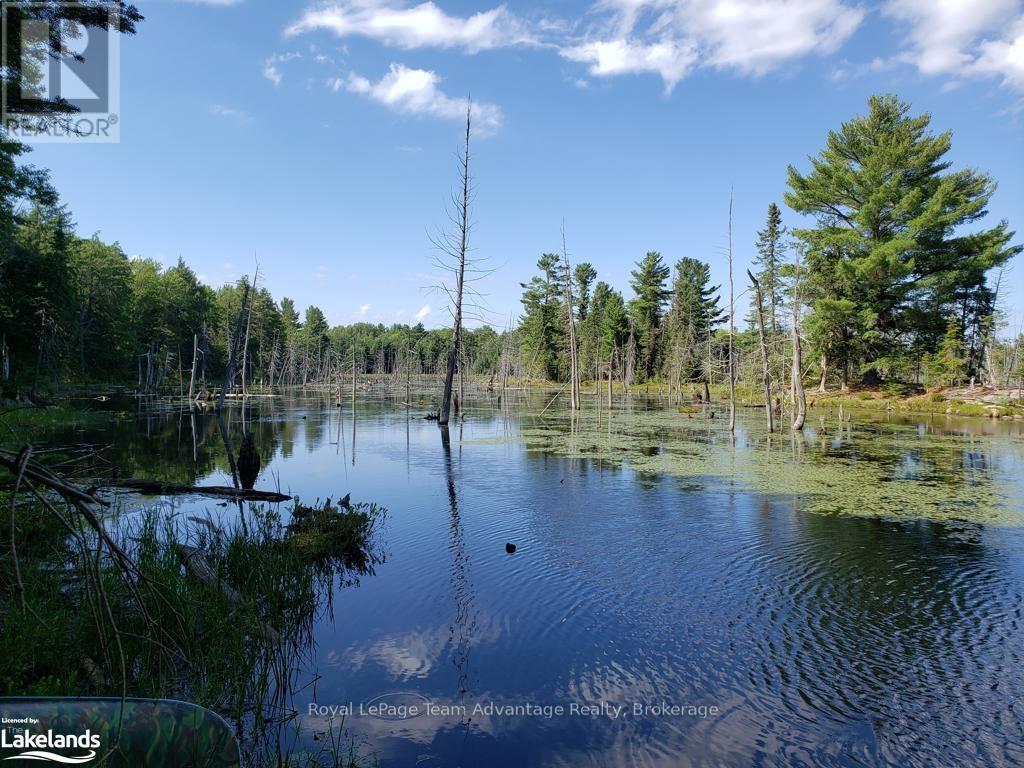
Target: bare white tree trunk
{"points": [[732, 309], [766, 364], [574, 365], [462, 224]]}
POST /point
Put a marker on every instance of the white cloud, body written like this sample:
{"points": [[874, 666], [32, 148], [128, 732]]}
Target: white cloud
{"points": [[963, 39], [422, 314], [1004, 57], [364, 309], [230, 113], [616, 57], [416, 91], [408, 27], [673, 37], [272, 71], [669, 38]]}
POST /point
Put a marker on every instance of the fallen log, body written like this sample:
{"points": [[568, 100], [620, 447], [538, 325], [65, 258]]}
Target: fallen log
{"points": [[159, 488], [195, 562]]}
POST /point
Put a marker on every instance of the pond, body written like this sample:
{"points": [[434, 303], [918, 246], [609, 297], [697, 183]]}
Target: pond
{"points": [[676, 597]]}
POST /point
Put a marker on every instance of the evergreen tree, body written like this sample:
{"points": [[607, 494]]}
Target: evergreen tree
{"points": [[646, 308], [102, 279], [614, 325], [583, 275], [890, 233], [769, 260], [694, 311], [948, 365], [543, 327]]}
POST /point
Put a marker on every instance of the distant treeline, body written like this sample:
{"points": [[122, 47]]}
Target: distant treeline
{"points": [[889, 283]]}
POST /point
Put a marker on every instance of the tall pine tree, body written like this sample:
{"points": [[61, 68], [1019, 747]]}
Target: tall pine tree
{"points": [[890, 245], [647, 307]]}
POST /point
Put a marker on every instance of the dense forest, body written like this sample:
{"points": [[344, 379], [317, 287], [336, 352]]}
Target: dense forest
{"points": [[888, 281]]}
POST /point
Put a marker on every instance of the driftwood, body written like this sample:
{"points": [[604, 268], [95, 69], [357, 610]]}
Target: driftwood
{"points": [[158, 488], [195, 563]]}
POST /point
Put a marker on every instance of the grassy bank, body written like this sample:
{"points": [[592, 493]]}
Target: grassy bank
{"points": [[220, 616]]}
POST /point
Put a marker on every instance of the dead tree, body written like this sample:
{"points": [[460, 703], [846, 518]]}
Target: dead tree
{"points": [[574, 363], [229, 373], [455, 245], [248, 326], [799, 396], [764, 353], [732, 310]]}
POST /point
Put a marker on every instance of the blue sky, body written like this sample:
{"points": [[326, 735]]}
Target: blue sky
{"points": [[322, 137]]}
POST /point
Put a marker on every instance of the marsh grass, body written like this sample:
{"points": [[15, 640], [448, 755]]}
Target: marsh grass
{"points": [[233, 645]]}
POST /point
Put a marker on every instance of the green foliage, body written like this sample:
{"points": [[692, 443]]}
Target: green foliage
{"points": [[770, 250], [542, 330], [891, 256], [647, 307], [948, 365], [693, 313], [583, 275]]}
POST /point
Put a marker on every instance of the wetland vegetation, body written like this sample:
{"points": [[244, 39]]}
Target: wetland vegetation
{"points": [[796, 505]]}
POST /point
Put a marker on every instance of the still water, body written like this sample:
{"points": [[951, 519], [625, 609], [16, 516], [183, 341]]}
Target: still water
{"points": [[851, 597]]}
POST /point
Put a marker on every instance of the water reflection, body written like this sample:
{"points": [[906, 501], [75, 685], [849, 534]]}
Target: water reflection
{"points": [[659, 560]]}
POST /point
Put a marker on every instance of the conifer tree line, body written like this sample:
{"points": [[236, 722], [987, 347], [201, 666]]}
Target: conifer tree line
{"points": [[886, 272]]}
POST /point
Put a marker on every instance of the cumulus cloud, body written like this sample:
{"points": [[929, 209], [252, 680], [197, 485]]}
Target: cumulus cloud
{"points": [[422, 314], [364, 309], [963, 39], [418, 26], [672, 37], [417, 92], [669, 59], [668, 38]]}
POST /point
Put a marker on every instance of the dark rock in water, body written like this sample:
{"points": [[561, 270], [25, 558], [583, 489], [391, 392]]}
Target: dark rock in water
{"points": [[510, 548], [432, 417], [248, 463]]}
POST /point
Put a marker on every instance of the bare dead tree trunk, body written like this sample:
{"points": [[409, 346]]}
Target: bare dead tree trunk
{"points": [[574, 363], [192, 376], [824, 373], [462, 224], [765, 363], [611, 359], [229, 373], [248, 326], [732, 309], [797, 382], [796, 377]]}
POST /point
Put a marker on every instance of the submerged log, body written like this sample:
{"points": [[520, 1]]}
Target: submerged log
{"points": [[195, 562], [158, 488]]}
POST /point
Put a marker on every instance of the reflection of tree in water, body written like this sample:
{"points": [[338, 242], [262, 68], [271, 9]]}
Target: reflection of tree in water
{"points": [[464, 622]]}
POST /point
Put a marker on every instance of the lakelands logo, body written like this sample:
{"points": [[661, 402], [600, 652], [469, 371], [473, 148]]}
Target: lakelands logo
{"points": [[39, 746]]}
